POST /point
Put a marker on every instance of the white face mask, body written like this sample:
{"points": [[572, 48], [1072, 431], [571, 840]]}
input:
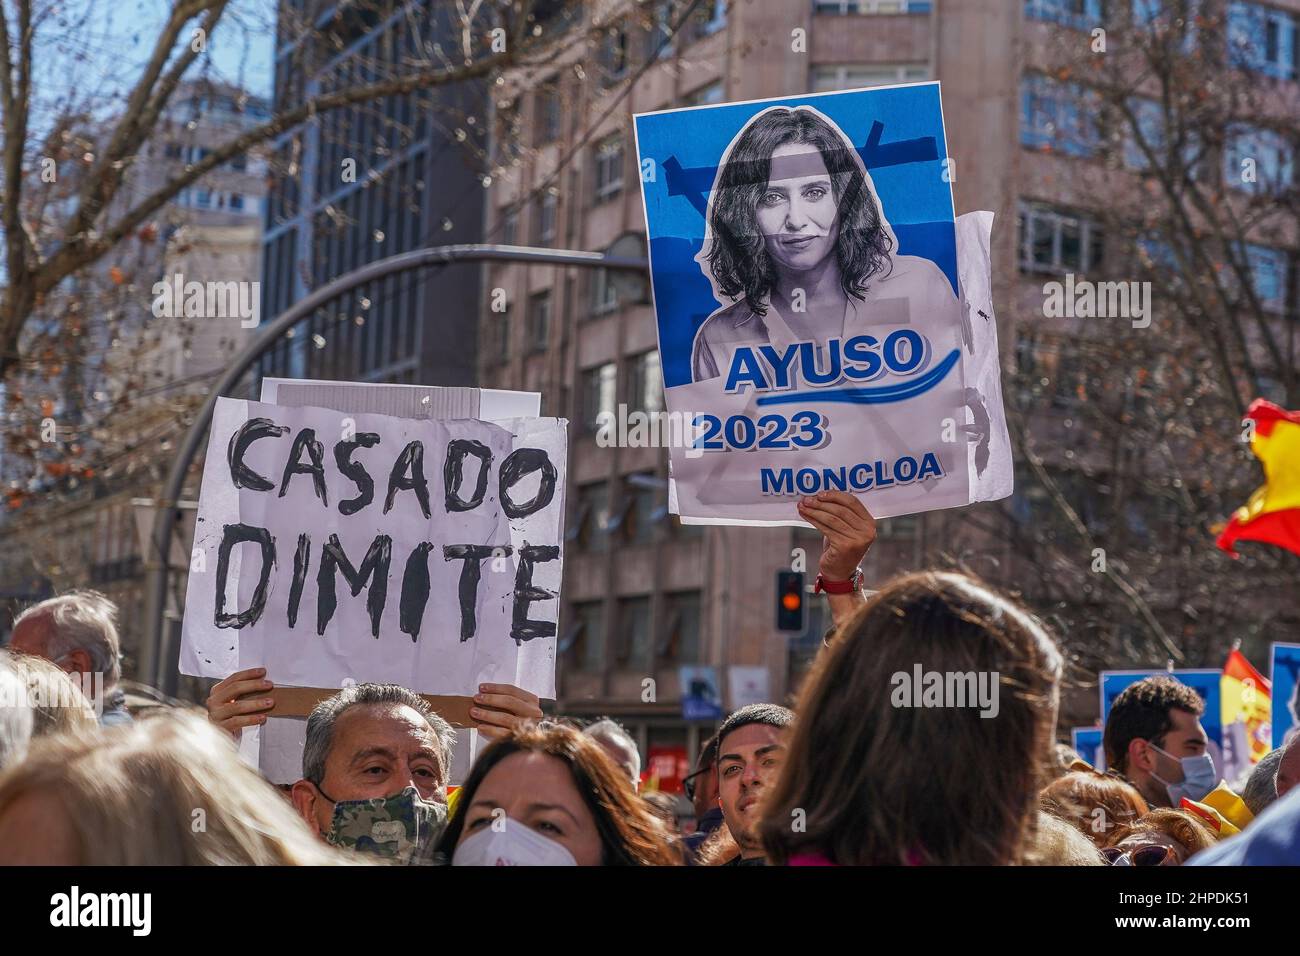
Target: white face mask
{"points": [[1199, 778], [512, 845]]}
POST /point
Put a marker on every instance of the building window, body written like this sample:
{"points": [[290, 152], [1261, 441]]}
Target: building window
{"points": [[716, 11], [604, 294], [849, 77], [539, 321], [645, 391], [1080, 14], [544, 220], [1068, 377], [599, 394], [547, 115], [659, 41], [614, 53], [609, 168], [1257, 160], [1057, 116], [636, 517], [587, 652], [1263, 39], [634, 633], [510, 226], [844, 7], [705, 95], [680, 637], [1268, 276], [590, 528], [1053, 240]]}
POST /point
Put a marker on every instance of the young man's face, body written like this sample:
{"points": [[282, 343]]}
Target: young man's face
{"points": [[1187, 738], [797, 213], [378, 750], [749, 760]]}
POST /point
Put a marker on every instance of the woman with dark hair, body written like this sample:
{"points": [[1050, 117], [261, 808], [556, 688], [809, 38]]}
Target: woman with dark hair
{"points": [[548, 795], [798, 244], [923, 734]]}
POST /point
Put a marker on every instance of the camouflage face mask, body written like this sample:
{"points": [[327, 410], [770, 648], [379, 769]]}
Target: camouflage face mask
{"points": [[403, 828]]}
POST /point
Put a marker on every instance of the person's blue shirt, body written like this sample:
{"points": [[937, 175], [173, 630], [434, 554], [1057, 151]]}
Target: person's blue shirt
{"points": [[1271, 839]]}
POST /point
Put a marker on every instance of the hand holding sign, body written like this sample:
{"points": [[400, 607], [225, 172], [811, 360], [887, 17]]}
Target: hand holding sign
{"points": [[239, 701], [498, 707], [848, 529]]}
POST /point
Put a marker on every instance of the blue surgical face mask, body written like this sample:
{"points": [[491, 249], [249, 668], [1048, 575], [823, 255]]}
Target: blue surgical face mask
{"points": [[1199, 778]]}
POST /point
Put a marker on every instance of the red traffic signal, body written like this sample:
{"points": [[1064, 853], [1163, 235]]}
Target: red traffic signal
{"points": [[790, 613]]}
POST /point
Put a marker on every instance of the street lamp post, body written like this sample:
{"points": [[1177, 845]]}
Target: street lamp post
{"points": [[158, 651]]}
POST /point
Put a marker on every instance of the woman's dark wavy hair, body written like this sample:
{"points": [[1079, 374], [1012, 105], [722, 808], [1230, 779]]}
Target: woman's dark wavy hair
{"points": [[630, 834], [736, 255]]}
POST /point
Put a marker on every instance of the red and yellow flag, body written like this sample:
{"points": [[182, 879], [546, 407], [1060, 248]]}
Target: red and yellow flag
{"points": [[1272, 514], [1247, 700]]}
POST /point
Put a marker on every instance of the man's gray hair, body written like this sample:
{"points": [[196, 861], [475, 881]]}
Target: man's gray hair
{"points": [[1261, 786], [610, 730], [16, 720], [320, 725], [81, 620]]}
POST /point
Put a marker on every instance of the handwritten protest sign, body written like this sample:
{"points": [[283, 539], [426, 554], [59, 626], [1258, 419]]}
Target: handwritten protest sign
{"points": [[811, 320], [332, 548]]}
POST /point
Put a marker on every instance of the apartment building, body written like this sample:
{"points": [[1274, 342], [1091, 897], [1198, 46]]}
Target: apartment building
{"points": [[644, 595]]}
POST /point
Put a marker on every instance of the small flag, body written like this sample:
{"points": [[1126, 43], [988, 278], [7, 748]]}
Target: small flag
{"points": [[1272, 514], [1246, 712]]}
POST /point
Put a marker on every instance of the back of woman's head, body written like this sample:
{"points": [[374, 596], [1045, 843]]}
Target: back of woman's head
{"points": [[1055, 842], [1094, 803], [169, 789], [630, 834], [923, 733], [58, 705]]}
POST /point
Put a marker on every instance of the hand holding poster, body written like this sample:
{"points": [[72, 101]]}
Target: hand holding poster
{"points": [[805, 273], [331, 548]]}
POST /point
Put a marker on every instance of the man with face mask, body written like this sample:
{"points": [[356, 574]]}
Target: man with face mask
{"points": [[1154, 738], [374, 771]]}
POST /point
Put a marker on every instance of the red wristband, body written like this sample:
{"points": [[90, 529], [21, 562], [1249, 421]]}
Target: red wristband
{"points": [[825, 585]]}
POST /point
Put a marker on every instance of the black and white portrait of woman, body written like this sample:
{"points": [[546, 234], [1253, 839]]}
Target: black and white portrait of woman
{"points": [[798, 249]]}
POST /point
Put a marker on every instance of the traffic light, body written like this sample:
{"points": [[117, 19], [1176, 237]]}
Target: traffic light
{"points": [[790, 615]]}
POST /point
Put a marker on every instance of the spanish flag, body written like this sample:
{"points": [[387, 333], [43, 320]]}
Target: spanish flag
{"points": [[1246, 713], [1272, 514]]}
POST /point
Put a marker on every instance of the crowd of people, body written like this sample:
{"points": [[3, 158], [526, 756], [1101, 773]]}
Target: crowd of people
{"points": [[855, 773]]}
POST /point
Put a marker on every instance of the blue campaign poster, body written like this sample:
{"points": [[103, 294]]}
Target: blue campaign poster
{"points": [[701, 694], [804, 264], [1284, 676], [1086, 742], [1205, 681]]}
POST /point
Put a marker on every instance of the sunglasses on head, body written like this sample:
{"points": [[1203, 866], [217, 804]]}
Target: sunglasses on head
{"points": [[1152, 854]]}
